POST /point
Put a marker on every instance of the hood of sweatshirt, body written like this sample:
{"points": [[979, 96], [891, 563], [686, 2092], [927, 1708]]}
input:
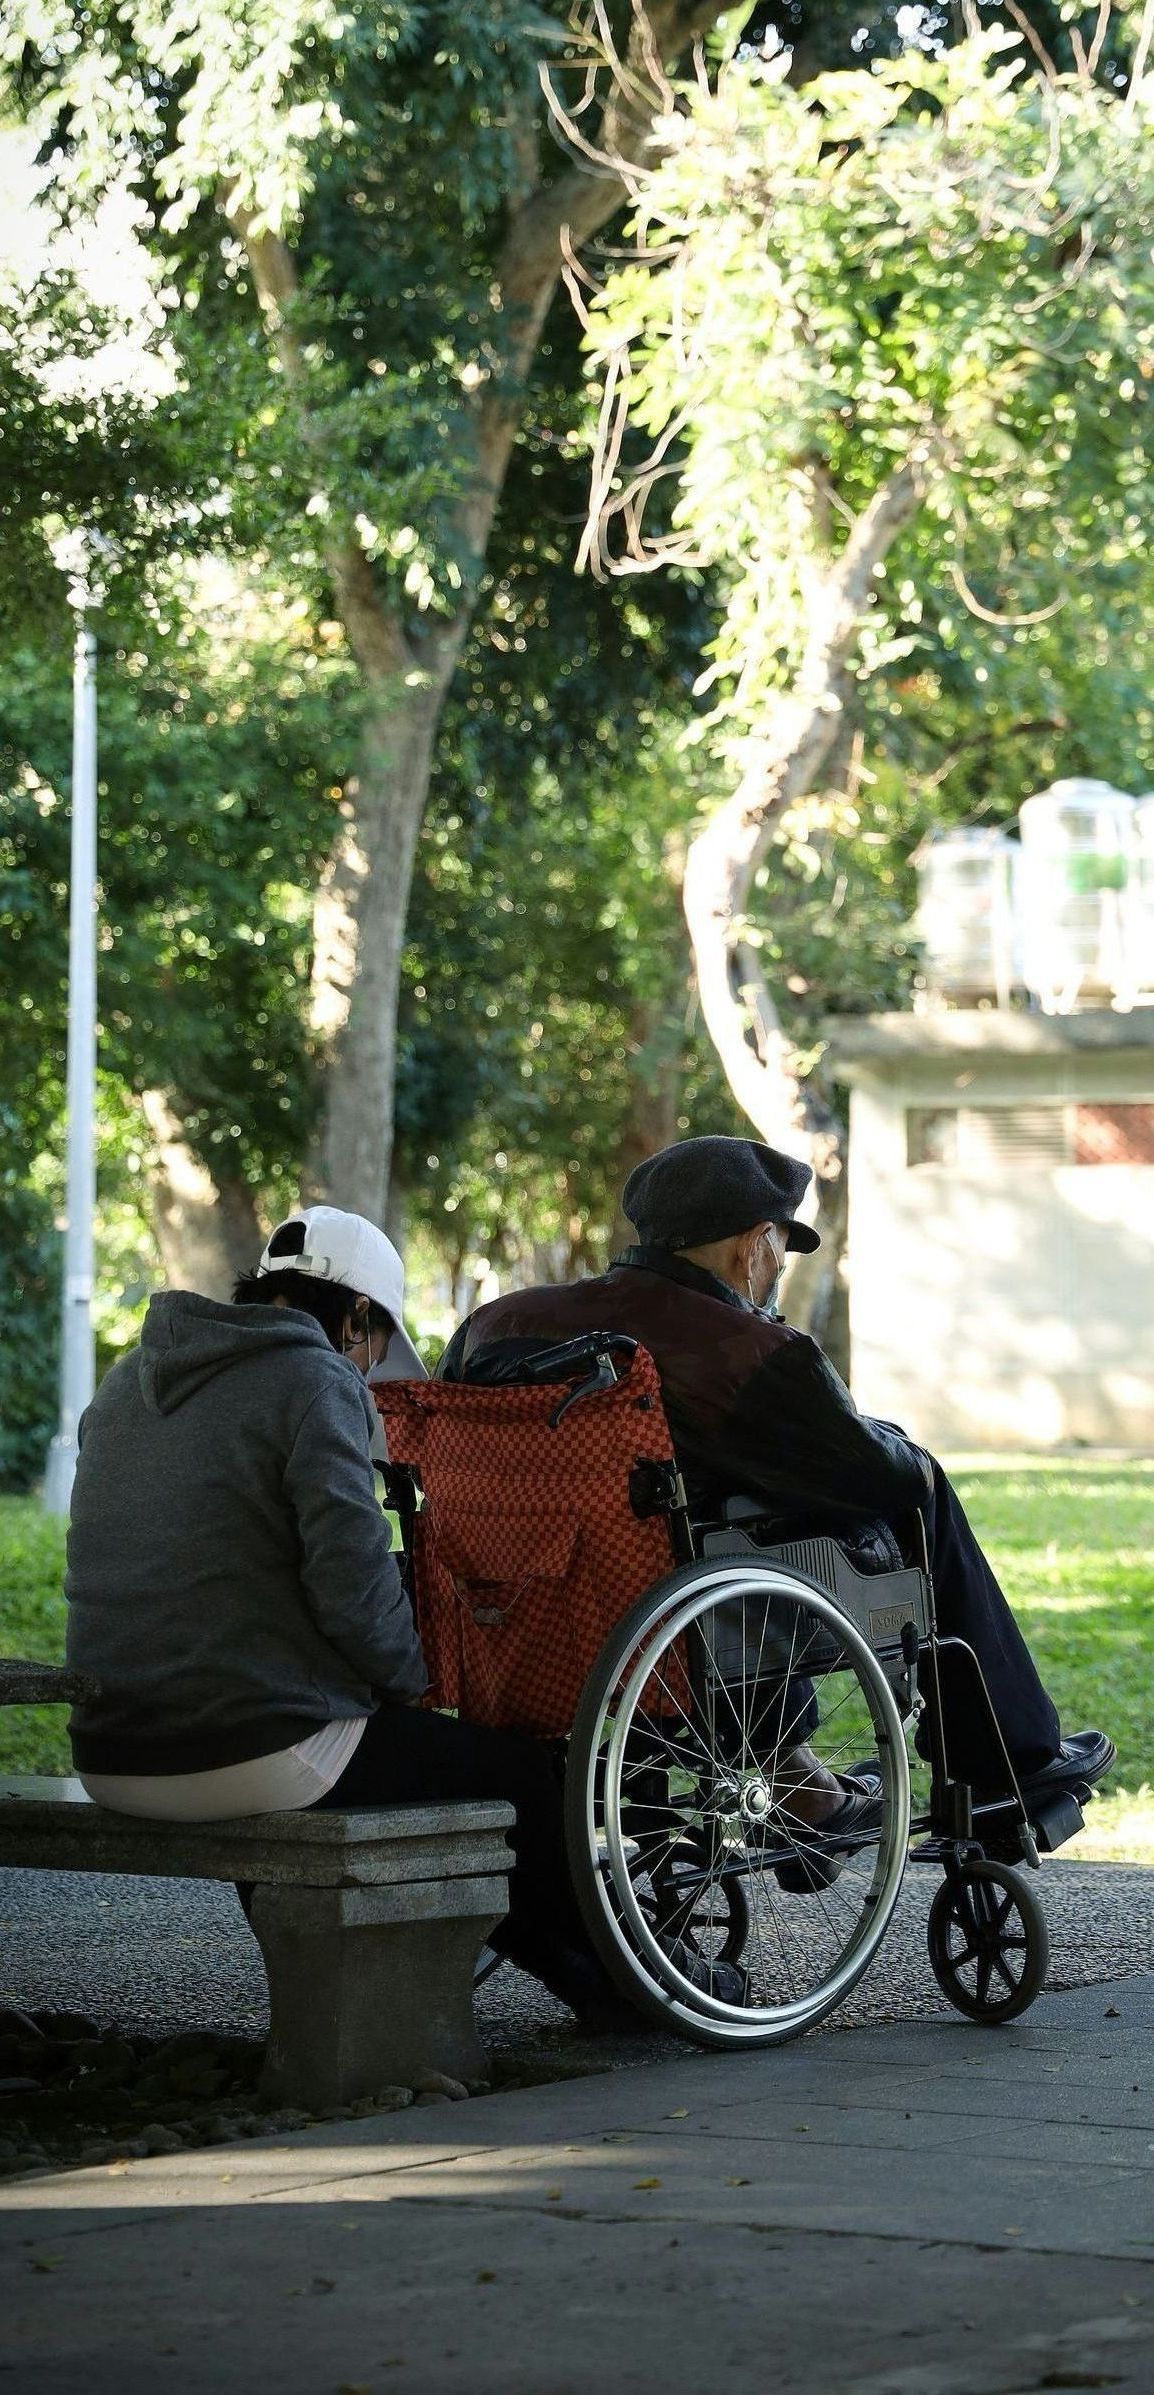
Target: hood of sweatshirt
{"points": [[188, 1340]]}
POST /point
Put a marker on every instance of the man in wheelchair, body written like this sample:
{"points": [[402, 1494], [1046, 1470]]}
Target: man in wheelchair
{"points": [[763, 1426]]}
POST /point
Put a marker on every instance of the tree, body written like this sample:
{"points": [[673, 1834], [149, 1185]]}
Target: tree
{"points": [[892, 337], [384, 193], [215, 813]]}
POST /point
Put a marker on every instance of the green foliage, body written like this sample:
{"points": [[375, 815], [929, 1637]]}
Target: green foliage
{"points": [[29, 1316], [388, 145], [32, 1623], [216, 812], [942, 259]]}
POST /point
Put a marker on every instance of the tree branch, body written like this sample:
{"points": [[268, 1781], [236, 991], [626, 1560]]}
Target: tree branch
{"points": [[558, 217], [736, 1002], [584, 198]]}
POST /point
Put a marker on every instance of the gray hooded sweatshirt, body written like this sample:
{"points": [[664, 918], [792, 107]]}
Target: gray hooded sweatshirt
{"points": [[230, 1584]]}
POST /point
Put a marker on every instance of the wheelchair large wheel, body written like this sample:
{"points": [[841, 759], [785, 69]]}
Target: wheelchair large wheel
{"points": [[689, 1799], [988, 1941]]}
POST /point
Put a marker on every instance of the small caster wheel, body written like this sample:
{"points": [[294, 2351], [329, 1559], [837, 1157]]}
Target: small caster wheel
{"points": [[988, 1943]]}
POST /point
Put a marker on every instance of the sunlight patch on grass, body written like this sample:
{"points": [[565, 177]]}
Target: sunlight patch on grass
{"points": [[1050, 1601], [1119, 1829]]}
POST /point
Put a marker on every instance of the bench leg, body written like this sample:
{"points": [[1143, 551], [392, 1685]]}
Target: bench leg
{"points": [[369, 1987]]}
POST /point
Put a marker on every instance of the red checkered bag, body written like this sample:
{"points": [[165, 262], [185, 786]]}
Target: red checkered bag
{"points": [[527, 1548]]}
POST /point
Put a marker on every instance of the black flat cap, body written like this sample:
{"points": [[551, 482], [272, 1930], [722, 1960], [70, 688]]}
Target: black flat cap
{"points": [[706, 1189]]}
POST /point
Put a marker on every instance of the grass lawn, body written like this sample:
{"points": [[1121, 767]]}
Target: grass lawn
{"points": [[1071, 1538], [1072, 1542]]}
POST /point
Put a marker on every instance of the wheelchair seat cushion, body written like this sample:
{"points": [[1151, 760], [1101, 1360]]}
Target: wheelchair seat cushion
{"points": [[527, 1548]]}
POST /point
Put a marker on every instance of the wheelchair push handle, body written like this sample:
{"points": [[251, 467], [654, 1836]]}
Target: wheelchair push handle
{"points": [[572, 1356], [592, 1355]]}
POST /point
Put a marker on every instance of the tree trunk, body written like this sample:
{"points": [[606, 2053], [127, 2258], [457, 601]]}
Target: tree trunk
{"points": [[655, 1073], [758, 1059], [407, 668], [359, 939], [207, 1228]]}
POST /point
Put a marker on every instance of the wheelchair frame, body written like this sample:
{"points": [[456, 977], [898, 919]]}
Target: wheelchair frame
{"points": [[666, 1919]]}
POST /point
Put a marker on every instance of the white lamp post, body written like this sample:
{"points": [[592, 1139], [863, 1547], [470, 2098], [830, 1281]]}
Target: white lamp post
{"points": [[77, 556]]}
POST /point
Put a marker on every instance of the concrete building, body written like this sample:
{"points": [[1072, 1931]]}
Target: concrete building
{"points": [[1001, 1225]]}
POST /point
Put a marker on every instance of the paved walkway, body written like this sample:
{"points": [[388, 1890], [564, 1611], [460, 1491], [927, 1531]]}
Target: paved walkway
{"points": [[920, 2208]]}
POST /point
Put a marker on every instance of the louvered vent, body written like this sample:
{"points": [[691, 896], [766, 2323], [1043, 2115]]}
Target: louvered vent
{"points": [[1009, 1136]]}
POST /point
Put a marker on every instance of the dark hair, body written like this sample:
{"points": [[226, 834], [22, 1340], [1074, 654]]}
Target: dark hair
{"points": [[329, 1302]]}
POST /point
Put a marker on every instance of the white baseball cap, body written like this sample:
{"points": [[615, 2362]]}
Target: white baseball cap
{"points": [[346, 1248]]}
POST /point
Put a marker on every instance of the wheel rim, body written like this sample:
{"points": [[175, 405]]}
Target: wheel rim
{"points": [[801, 1961]]}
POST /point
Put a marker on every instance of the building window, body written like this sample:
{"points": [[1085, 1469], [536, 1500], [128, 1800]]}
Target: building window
{"points": [[932, 1135], [998, 1138]]}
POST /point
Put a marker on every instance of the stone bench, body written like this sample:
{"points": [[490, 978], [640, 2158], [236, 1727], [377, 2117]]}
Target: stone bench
{"points": [[370, 1923]]}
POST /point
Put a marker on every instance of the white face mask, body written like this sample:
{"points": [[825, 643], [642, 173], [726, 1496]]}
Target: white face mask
{"points": [[768, 1305]]}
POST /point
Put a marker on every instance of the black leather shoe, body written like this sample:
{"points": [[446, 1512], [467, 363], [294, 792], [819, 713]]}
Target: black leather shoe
{"points": [[1081, 1760], [819, 1860]]}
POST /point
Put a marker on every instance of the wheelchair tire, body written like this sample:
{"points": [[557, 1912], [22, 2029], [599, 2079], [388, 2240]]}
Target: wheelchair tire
{"points": [[667, 1693], [986, 1926]]}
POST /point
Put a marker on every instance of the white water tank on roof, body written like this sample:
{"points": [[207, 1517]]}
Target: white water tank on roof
{"points": [[964, 918], [1071, 894]]}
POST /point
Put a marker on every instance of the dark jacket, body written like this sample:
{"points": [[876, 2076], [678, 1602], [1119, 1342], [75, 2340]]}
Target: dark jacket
{"points": [[230, 1584], [753, 1407]]}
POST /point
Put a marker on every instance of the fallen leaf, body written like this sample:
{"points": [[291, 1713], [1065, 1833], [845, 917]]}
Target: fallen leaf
{"points": [[45, 2261], [647, 2182], [553, 2195], [485, 2278], [738, 2182], [1011, 2232], [682, 2114]]}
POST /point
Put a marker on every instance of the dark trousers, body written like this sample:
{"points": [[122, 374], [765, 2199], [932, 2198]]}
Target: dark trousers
{"points": [[971, 1605], [406, 1756]]}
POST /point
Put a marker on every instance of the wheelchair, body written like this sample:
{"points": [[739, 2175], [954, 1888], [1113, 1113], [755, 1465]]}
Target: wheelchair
{"points": [[688, 1669]]}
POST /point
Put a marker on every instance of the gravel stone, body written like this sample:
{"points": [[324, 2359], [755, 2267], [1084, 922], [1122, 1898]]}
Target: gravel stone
{"points": [[438, 2083], [14, 2023], [158, 2138], [69, 2025]]}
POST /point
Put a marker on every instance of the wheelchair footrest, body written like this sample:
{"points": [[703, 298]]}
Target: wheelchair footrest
{"points": [[1061, 1817]]}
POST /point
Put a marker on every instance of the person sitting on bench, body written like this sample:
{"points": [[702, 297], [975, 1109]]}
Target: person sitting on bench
{"points": [[233, 1597], [755, 1409]]}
